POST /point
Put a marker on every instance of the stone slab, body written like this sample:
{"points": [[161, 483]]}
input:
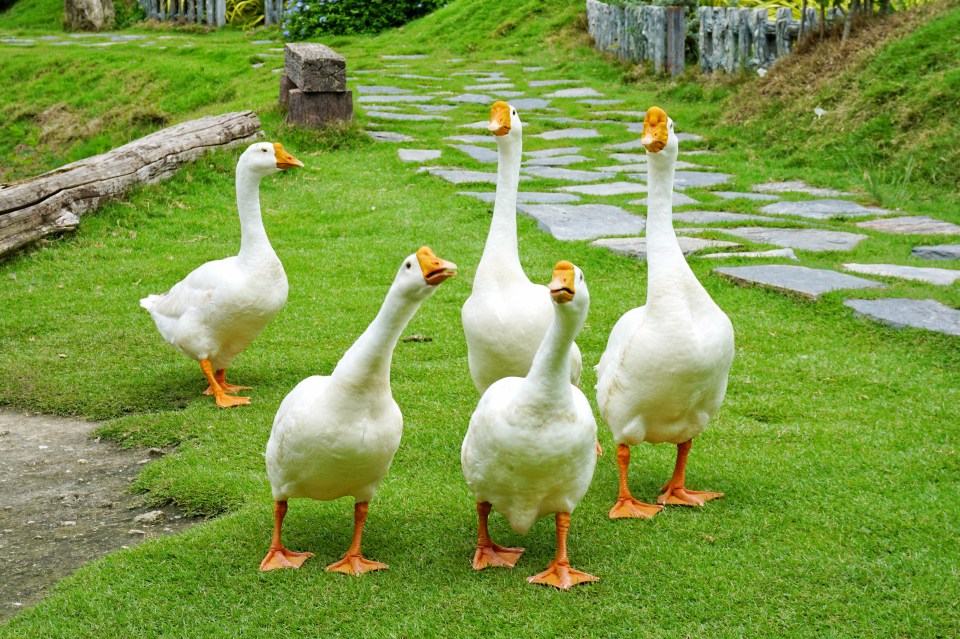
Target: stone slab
{"points": [[489, 87], [583, 221], [734, 195], [815, 240], [623, 168], [801, 280], [911, 225], [902, 313], [365, 89], [784, 252], [471, 98], [635, 158], [600, 102], [637, 246], [578, 92], [472, 138], [607, 188], [314, 67], [557, 160], [416, 56], [559, 173], [714, 217], [527, 197], [418, 155], [479, 153], [543, 153], [389, 136], [679, 199], [940, 276], [568, 134], [458, 176], [550, 83], [632, 145], [688, 137], [697, 179], [939, 252], [392, 99], [433, 108], [822, 209], [417, 117], [530, 104], [796, 186]]}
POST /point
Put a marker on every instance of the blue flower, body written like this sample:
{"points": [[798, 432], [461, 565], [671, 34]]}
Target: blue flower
{"points": [[323, 18], [286, 33]]}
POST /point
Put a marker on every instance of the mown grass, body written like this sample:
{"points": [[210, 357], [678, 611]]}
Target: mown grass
{"points": [[837, 445]]}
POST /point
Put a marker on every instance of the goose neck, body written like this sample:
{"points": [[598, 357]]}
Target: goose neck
{"points": [[254, 243], [501, 249], [549, 376], [665, 260]]}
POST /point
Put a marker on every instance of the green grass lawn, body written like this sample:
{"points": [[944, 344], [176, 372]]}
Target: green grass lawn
{"points": [[837, 446]]}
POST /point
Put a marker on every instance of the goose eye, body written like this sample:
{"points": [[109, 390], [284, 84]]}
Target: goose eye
{"points": [[263, 150], [408, 265], [514, 112]]}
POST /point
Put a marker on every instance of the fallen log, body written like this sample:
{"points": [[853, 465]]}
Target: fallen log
{"points": [[53, 202]]}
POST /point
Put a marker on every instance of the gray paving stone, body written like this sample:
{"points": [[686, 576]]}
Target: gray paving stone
{"points": [[383, 115], [481, 124], [679, 199], [698, 179], [507, 95], [558, 160], [578, 92], [364, 89], [822, 209], [911, 225], [414, 76], [471, 138], [543, 153], [434, 108], [471, 98], [784, 252], [688, 137], [623, 168], [530, 104], [713, 217], [804, 281], [599, 102], [559, 173], [527, 197], [632, 145], [734, 195], [568, 134], [478, 153], [640, 158], [533, 69], [582, 221], [508, 61], [902, 313], [418, 56], [796, 186], [640, 115], [460, 176], [550, 83], [939, 252], [489, 87], [389, 136], [940, 276], [607, 188], [637, 246], [816, 240], [417, 155], [698, 152], [390, 99]]}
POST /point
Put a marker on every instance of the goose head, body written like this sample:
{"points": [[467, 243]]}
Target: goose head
{"points": [[568, 288], [504, 123], [658, 136], [265, 158], [422, 272]]}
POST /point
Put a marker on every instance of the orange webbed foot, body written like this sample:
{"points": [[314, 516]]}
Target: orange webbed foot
{"points": [[680, 496], [562, 576], [229, 401], [355, 565], [227, 388], [496, 555], [283, 558], [630, 508]]}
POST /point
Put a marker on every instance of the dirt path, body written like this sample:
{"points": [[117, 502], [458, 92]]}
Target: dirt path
{"points": [[64, 501]]}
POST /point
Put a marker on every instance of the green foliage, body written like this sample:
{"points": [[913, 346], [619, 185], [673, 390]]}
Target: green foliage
{"points": [[245, 14], [305, 19], [127, 13]]}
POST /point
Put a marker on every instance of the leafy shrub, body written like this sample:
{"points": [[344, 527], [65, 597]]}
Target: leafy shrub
{"points": [[307, 18], [127, 13], [245, 14]]}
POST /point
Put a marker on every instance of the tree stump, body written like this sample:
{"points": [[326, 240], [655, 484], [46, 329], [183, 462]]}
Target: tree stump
{"points": [[313, 87], [319, 109]]}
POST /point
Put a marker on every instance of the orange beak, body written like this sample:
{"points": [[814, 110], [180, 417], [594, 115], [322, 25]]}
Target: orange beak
{"points": [[655, 132], [499, 118], [284, 159], [562, 286], [435, 270]]}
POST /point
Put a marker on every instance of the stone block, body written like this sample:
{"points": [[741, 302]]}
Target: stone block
{"points": [[319, 109], [315, 67]]}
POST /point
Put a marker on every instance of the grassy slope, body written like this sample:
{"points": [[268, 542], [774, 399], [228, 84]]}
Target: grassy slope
{"points": [[837, 445]]}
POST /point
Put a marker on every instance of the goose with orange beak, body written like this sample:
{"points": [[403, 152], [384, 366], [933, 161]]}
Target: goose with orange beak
{"points": [[506, 315], [663, 375], [530, 447], [215, 312], [335, 436]]}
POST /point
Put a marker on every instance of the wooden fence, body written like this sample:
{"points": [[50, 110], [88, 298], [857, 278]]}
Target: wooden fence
{"points": [[210, 12], [639, 33]]}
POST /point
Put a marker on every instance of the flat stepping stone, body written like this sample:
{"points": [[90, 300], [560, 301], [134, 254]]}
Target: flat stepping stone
{"points": [[599, 102], [417, 56], [459, 176], [796, 186], [902, 313], [435, 108], [534, 69], [364, 89], [713, 217], [508, 95], [563, 134], [679, 199], [544, 153], [392, 99], [801, 280], [471, 98], [697, 179], [822, 209], [624, 168], [383, 115], [639, 158], [414, 76], [734, 195], [471, 138], [558, 160], [559, 173], [632, 145], [815, 240], [688, 137], [478, 153], [550, 83], [582, 221], [489, 87], [530, 104], [940, 252], [389, 136], [911, 225], [527, 197], [417, 155], [637, 246], [940, 276], [578, 92], [784, 252], [607, 188]]}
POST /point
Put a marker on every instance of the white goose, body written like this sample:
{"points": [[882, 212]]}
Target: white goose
{"points": [[506, 315], [214, 313], [529, 450], [663, 374], [335, 436]]}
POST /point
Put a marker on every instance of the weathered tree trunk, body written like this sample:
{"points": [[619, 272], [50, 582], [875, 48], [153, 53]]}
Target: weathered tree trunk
{"points": [[52, 202], [319, 109]]}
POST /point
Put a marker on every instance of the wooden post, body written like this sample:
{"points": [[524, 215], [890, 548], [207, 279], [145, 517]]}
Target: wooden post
{"points": [[316, 110], [676, 39], [286, 85]]}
